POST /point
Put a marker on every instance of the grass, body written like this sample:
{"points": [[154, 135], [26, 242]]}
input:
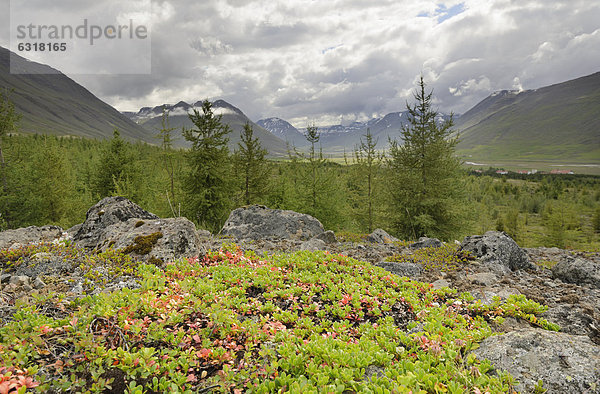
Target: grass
{"points": [[235, 322]]}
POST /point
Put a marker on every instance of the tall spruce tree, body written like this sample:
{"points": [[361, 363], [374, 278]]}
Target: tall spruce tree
{"points": [[252, 167], [209, 183], [364, 183], [426, 190]]}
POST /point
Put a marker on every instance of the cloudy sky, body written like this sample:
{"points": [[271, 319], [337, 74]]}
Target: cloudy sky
{"points": [[332, 61]]}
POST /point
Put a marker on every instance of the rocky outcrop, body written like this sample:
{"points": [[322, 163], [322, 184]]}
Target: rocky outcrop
{"points": [[258, 222], [564, 363], [579, 271], [159, 240], [380, 236], [117, 223], [107, 212], [497, 251], [29, 235], [425, 242]]}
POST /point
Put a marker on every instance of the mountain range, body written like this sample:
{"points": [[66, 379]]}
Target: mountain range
{"points": [[151, 120], [559, 123], [339, 138]]}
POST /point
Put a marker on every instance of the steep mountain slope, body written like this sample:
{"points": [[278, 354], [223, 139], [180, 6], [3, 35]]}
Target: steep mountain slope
{"points": [[52, 103], [558, 123], [283, 130], [151, 118]]}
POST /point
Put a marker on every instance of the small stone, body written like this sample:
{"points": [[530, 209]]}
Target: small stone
{"points": [[483, 279], [20, 280], [328, 237], [77, 289], [313, 245], [42, 256], [380, 236], [410, 270], [38, 283], [425, 242], [440, 283], [5, 278]]}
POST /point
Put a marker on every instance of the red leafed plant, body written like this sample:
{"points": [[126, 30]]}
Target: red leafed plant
{"points": [[12, 379]]}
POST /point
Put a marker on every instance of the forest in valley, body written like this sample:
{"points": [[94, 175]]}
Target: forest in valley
{"points": [[54, 180], [417, 188]]}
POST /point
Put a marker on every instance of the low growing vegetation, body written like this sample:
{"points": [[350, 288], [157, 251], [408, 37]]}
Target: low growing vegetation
{"points": [[237, 322]]}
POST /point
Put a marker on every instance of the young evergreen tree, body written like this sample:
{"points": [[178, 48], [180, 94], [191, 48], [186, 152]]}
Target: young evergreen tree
{"points": [[166, 139], [316, 189], [114, 166], [252, 167], [364, 182], [425, 191], [209, 183]]}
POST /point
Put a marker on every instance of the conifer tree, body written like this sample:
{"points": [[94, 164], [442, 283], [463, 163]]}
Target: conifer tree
{"points": [[364, 182], [9, 120], [425, 190], [251, 164], [165, 135], [209, 182], [116, 161], [318, 192]]}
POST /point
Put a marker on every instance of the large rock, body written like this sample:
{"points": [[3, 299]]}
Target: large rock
{"points": [[565, 363], [28, 235], [118, 223], [107, 212], [579, 271], [258, 222], [498, 251], [153, 240], [379, 236], [425, 242]]}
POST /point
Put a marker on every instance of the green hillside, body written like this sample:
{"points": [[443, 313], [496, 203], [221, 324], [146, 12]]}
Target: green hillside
{"points": [[555, 123], [52, 103]]}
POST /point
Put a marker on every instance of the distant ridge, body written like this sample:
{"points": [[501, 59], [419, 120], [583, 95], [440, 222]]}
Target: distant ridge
{"points": [[560, 122]]}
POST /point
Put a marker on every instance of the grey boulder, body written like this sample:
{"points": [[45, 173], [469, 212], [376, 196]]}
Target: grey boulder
{"points": [[578, 271], [379, 236], [564, 363], [153, 240], [107, 212], [258, 222], [497, 251]]}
